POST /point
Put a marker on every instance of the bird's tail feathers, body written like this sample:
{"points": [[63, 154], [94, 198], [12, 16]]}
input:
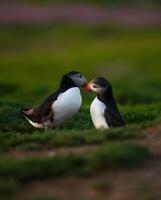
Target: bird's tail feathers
{"points": [[30, 113]]}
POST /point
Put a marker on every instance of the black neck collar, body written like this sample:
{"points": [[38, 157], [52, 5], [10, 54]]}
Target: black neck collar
{"points": [[106, 97]]}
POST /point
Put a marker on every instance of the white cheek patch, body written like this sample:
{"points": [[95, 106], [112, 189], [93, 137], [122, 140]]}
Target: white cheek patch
{"points": [[94, 89], [97, 89]]}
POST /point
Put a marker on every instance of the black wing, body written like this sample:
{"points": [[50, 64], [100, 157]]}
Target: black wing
{"points": [[43, 112], [113, 116]]}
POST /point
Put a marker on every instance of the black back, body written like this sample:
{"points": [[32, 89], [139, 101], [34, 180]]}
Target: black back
{"points": [[112, 114], [65, 84]]}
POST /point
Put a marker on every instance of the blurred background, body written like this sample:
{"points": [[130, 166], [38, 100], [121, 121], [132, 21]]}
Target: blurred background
{"points": [[42, 40]]}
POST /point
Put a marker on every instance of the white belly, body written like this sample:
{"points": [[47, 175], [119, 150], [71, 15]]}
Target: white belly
{"points": [[97, 110], [67, 104]]}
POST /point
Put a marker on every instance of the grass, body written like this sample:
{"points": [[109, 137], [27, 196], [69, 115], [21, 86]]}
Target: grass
{"points": [[7, 187], [17, 132], [63, 138], [11, 120], [113, 155]]}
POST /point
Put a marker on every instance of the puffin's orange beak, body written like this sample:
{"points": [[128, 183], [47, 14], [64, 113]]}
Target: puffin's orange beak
{"points": [[86, 87]]}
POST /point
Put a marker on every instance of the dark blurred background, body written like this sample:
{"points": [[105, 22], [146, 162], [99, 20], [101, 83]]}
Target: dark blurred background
{"points": [[42, 40]]}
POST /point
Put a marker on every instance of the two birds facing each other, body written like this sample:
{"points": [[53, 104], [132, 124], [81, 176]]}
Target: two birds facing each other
{"points": [[67, 100]]}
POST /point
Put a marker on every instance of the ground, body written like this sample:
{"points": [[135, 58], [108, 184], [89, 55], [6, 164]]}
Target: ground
{"points": [[139, 183], [76, 161]]}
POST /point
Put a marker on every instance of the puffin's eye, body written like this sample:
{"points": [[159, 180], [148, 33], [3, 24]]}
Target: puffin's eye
{"points": [[80, 76], [94, 86]]}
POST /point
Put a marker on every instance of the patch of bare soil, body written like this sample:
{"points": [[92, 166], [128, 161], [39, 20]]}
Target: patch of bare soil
{"points": [[49, 152], [113, 185], [141, 183], [152, 139]]}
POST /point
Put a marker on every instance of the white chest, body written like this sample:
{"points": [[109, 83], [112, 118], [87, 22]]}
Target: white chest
{"points": [[97, 110], [67, 104]]}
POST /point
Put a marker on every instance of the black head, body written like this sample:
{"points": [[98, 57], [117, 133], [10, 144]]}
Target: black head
{"points": [[74, 78], [100, 85]]}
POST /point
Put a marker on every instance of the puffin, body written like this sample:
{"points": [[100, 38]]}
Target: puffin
{"points": [[104, 111], [59, 106]]}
